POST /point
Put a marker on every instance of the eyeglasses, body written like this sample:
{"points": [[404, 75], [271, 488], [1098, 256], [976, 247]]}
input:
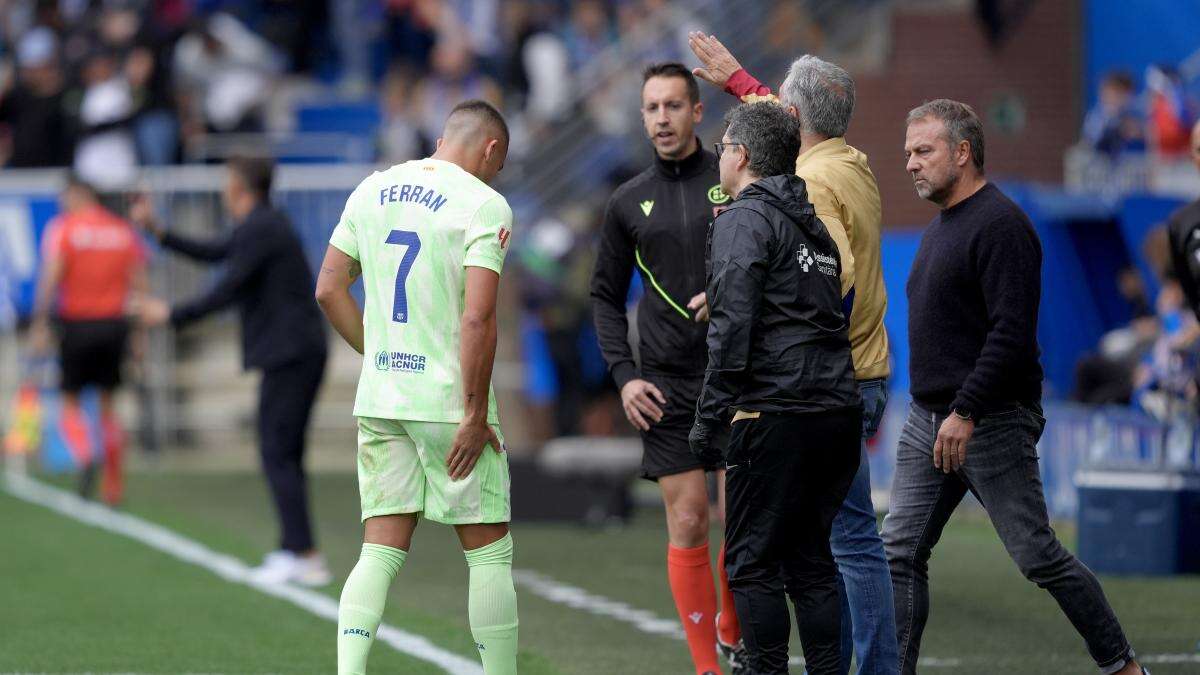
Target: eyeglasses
{"points": [[719, 148]]}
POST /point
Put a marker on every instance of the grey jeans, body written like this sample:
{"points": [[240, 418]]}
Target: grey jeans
{"points": [[1001, 470]]}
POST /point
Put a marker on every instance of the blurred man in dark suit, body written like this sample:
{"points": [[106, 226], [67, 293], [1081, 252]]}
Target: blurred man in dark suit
{"points": [[283, 335]]}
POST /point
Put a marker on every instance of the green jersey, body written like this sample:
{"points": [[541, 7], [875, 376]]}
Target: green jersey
{"points": [[414, 229]]}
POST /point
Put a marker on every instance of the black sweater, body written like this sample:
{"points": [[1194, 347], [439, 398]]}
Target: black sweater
{"points": [[973, 308], [268, 278]]}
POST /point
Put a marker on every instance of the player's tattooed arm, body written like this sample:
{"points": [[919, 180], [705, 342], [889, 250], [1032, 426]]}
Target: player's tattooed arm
{"points": [[338, 272], [353, 269]]}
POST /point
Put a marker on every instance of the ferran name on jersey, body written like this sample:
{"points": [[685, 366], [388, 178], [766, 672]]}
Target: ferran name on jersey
{"points": [[417, 194]]}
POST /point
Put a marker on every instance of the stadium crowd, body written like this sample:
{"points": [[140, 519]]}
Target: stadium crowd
{"points": [[140, 83], [110, 87]]}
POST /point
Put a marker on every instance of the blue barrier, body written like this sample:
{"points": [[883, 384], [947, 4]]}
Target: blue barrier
{"points": [[1123, 35], [1077, 437]]}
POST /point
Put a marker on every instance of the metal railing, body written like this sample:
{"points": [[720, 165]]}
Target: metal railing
{"points": [[188, 199]]}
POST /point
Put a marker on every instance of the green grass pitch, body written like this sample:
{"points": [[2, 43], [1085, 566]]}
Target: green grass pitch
{"points": [[75, 599]]}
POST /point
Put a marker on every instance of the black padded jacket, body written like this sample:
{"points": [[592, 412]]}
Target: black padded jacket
{"points": [[777, 336]]}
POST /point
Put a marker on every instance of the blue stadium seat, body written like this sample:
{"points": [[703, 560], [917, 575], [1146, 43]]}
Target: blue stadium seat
{"points": [[358, 118]]}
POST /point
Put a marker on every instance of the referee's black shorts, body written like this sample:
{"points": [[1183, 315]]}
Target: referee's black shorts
{"points": [[91, 353], [665, 449]]}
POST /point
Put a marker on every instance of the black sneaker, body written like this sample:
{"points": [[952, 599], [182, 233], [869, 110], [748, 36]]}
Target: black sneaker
{"points": [[734, 654]]}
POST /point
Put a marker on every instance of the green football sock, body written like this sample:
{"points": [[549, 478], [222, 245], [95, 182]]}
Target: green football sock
{"points": [[361, 607], [492, 606]]}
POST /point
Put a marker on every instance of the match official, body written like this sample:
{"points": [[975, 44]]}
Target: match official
{"points": [[658, 222], [779, 367], [94, 265]]}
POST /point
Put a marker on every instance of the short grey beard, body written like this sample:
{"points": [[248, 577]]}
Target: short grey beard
{"points": [[938, 195]]}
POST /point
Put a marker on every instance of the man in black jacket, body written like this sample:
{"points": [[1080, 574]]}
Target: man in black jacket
{"points": [[1183, 230], [658, 222], [779, 367], [283, 334], [976, 417]]}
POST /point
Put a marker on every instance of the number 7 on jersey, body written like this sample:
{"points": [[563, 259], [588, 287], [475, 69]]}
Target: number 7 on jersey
{"points": [[412, 242]]}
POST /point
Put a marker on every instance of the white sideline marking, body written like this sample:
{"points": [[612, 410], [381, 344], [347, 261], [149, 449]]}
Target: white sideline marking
{"points": [[1169, 658], [227, 567], [577, 598], [644, 620]]}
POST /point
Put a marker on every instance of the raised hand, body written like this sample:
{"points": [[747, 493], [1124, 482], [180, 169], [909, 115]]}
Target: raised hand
{"points": [[719, 64]]}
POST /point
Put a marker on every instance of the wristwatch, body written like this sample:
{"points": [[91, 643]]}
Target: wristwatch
{"points": [[961, 414]]}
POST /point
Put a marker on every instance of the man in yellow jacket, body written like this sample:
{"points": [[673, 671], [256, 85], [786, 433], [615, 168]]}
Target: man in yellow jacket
{"points": [[843, 191]]}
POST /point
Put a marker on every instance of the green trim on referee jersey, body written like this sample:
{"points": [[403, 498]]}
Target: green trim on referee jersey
{"points": [[637, 255]]}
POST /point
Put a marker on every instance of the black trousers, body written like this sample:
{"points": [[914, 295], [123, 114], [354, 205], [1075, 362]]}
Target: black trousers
{"points": [[786, 479], [285, 401]]}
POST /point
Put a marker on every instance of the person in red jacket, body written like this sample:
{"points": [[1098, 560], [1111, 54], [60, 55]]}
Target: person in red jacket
{"points": [[92, 263]]}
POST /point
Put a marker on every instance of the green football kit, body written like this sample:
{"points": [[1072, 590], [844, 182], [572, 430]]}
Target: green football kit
{"points": [[414, 229]]}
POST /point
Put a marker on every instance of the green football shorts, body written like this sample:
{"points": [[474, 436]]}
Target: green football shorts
{"points": [[402, 469]]}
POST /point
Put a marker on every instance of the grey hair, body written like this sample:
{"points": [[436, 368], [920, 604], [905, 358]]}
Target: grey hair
{"points": [[769, 134], [823, 92], [960, 122]]}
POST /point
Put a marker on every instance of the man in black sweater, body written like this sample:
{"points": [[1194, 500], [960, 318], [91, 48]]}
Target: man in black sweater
{"points": [[780, 370], [283, 334], [976, 384]]}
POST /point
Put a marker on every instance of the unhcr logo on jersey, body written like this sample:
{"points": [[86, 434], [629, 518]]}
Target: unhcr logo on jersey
{"points": [[399, 362]]}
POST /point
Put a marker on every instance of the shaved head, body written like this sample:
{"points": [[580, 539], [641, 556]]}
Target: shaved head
{"points": [[475, 121], [475, 138]]}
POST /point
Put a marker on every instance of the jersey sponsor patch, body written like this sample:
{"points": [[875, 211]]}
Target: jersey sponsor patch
{"points": [[400, 362], [503, 235]]}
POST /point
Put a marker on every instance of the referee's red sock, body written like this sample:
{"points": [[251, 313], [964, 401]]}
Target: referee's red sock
{"points": [[112, 485], [729, 630], [690, 573], [73, 426]]}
